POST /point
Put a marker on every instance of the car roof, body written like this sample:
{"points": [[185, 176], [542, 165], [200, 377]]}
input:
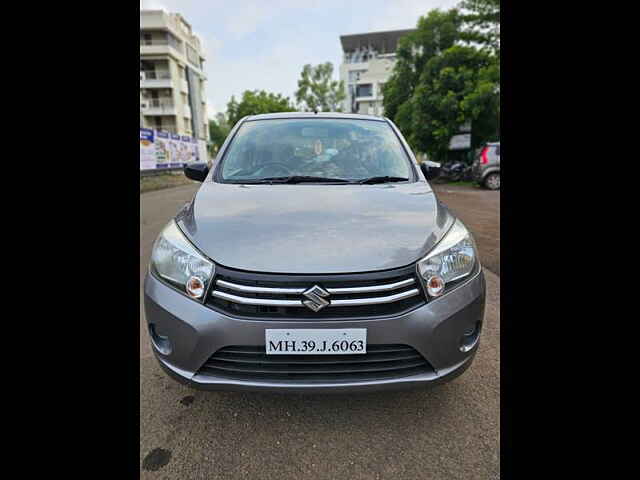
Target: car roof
{"points": [[307, 115]]}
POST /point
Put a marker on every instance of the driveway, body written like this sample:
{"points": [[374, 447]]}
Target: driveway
{"points": [[448, 432]]}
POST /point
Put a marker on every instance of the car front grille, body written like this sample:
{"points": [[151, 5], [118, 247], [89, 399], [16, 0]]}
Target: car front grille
{"points": [[252, 363], [279, 296]]}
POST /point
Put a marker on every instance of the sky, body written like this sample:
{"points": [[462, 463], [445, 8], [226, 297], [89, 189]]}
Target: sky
{"points": [[263, 45]]}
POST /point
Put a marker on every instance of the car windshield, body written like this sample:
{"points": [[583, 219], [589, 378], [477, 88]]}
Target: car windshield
{"points": [[315, 150]]}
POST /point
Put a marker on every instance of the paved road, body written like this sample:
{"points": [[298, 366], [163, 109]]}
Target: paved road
{"points": [[449, 432]]}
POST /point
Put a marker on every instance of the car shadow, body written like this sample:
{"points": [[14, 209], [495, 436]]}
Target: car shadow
{"points": [[333, 410]]}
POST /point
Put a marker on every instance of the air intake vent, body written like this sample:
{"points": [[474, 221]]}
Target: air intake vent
{"points": [[252, 363]]}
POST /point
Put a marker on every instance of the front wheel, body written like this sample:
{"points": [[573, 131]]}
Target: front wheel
{"points": [[492, 181]]}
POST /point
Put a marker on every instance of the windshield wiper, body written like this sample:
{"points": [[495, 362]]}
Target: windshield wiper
{"points": [[301, 179], [384, 179]]}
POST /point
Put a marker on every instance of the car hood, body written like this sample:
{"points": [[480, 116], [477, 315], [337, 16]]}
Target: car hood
{"points": [[313, 228]]}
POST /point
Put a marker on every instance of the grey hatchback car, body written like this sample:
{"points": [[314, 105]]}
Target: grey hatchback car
{"points": [[315, 257], [486, 166]]}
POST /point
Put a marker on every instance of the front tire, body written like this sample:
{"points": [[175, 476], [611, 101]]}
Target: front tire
{"points": [[492, 181]]}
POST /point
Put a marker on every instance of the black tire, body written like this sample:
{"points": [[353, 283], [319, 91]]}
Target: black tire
{"points": [[492, 181]]}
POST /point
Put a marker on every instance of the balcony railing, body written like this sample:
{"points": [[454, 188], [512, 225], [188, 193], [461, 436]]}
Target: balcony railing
{"points": [[154, 41], [159, 106], [162, 42], [159, 102], [156, 74]]}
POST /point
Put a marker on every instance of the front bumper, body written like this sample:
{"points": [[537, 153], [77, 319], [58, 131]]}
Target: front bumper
{"points": [[194, 332]]}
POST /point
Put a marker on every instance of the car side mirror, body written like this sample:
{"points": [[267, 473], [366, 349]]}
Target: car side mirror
{"points": [[430, 169], [196, 171]]}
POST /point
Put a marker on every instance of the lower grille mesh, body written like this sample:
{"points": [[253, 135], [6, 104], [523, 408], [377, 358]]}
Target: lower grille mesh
{"points": [[252, 363]]}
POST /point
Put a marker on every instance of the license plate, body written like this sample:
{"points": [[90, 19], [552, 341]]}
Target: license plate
{"points": [[313, 341]]}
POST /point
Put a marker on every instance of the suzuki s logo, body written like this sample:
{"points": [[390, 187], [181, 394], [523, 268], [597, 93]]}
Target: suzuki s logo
{"points": [[315, 295]]}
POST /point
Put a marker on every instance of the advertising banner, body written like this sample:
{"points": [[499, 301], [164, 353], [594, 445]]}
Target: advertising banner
{"points": [[160, 149], [174, 148], [147, 149], [194, 150], [202, 150]]}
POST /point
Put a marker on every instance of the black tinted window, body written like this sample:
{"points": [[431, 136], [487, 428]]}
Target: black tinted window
{"points": [[365, 90]]}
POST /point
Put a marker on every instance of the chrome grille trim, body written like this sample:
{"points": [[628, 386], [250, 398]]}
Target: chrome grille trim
{"points": [[250, 289], [298, 303], [278, 296], [256, 301], [333, 291], [374, 300], [371, 288]]}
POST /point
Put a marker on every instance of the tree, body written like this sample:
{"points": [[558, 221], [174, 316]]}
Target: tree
{"points": [[439, 84], [455, 88], [317, 91], [256, 102], [482, 23], [218, 132], [482, 27], [435, 33]]}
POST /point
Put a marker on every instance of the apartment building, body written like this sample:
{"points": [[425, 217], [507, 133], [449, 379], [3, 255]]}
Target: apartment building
{"points": [[368, 60], [172, 79]]}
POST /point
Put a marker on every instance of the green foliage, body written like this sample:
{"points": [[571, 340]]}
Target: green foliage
{"points": [[218, 132], [435, 32], [453, 90], [256, 102], [482, 23], [439, 84], [404, 121], [317, 91]]}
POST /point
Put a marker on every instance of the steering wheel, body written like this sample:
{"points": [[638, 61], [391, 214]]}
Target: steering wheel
{"points": [[278, 165]]}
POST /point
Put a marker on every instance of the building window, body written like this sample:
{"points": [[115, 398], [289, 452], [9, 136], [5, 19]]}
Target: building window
{"points": [[354, 75], [174, 41], [365, 90]]}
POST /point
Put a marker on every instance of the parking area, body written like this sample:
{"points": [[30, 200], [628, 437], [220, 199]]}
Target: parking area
{"points": [[450, 431]]}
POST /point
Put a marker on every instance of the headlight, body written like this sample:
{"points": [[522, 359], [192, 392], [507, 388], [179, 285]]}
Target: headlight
{"points": [[179, 263], [452, 259]]}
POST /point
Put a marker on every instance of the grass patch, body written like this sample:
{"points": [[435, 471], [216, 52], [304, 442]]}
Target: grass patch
{"points": [[167, 180], [441, 181], [462, 184]]}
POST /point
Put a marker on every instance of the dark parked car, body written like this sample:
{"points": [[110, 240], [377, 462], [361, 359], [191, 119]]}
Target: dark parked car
{"points": [[486, 167], [315, 257]]}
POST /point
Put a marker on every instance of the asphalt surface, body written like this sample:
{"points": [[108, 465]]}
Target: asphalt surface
{"points": [[449, 432]]}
